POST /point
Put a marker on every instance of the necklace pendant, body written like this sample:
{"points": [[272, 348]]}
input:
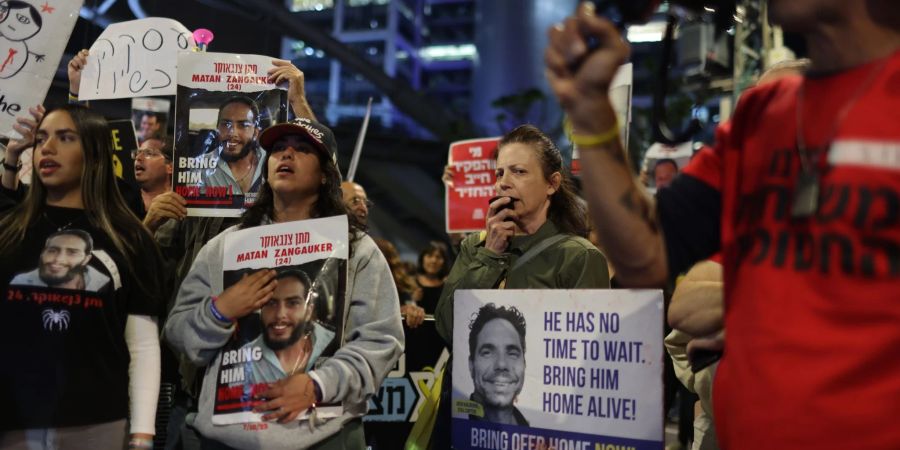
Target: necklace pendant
{"points": [[806, 195]]}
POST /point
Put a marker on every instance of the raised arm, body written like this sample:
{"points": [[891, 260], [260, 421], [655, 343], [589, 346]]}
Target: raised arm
{"points": [[284, 71], [26, 126], [623, 214]]}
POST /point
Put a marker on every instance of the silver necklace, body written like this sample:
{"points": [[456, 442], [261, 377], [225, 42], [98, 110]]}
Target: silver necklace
{"points": [[806, 192]]}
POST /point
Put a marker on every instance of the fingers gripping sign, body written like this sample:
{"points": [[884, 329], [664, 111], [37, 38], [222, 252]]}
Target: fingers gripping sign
{"points": [[287, 398]]}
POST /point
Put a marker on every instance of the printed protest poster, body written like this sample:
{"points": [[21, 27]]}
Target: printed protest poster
{"points": [[620, 92], [33, 36], [301, 323], [396, 405], [224, 101], [466, 202], [124, 142], [557, 369], [136, 58], [151, 117]]}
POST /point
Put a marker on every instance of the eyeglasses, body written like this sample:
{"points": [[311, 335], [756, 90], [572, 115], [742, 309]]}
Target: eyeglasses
{"points": [[357, 201], [145, 153]]}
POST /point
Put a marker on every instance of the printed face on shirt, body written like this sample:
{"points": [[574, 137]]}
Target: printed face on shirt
{"points": [[63, 259], [520, 176], [237, 129], [294, 167], [58, 155], [285, 315], [151, 168], [498, 365], [356, 201], [433, 262]]}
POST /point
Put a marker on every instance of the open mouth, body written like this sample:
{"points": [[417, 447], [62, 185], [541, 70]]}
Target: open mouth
{"points": [[48, 166], [284, 168]]}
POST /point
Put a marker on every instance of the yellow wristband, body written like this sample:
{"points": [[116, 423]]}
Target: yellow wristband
{"points": [[592, 140]]}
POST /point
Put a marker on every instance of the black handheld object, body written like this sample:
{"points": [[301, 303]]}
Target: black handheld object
{"points": [[510, 205], [701, 359]]}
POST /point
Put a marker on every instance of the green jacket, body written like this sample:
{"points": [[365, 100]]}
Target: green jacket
{"points": [[573, 263]]}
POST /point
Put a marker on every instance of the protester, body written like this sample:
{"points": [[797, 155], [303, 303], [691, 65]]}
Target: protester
{"points": [[407, 289], [302, 182], [94, 351], [802, 281], [537, 219], [356, 201], [431, 271], [153, 173]]}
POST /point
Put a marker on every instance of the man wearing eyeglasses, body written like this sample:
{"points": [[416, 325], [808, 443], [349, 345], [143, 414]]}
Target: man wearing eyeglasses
{"points": [[356, 201], [238, 156], [153, 173]]}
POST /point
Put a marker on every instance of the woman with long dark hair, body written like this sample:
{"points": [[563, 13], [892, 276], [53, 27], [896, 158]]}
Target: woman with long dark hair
{"points": [[301, 182], [78, 333], [536, 218], [431, 271]]}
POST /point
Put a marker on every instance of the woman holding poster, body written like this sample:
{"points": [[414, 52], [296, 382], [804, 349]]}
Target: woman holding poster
{"points": [[78, 333], [228, 291], [534, 239]]}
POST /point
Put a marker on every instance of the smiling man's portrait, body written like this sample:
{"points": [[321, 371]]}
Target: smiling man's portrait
{"points": [[497, 362]]}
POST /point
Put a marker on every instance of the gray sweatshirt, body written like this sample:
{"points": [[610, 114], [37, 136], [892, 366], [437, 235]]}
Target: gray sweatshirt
{"points": [[373, 333]]}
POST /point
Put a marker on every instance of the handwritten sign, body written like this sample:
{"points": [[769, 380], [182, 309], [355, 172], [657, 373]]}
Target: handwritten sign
{"points": [[135, 59], [33, 36], [580, 369], [473, 167]]}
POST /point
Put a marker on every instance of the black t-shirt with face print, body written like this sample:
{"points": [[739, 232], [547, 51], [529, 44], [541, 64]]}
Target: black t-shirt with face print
{"points": [[65, 298]]}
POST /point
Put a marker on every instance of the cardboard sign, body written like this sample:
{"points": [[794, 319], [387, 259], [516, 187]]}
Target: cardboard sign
{"points": [[32, 40], [576, 369], [134, 59], [466, 201]]}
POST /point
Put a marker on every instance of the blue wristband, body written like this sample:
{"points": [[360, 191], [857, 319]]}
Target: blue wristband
{"points": [[216, 313]]}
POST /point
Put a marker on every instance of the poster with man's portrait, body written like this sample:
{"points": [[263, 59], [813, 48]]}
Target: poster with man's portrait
{"points": [[557, 369], [300, 324], [224, 102]]}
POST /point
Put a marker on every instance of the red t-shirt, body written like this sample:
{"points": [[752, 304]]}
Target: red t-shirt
{"points": [[812, 316]]}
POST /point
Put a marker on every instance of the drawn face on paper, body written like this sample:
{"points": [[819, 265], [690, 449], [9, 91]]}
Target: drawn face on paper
{"points": [[498, 364], [19, 20], [237, 129], [64, 257], [285, 315]]}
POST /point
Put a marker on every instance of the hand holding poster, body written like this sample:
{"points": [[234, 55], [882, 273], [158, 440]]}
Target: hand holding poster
{"points": [[467, 199], [33, 36], [301, 322], [134, 59], [224, 101], [555, 370]]}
